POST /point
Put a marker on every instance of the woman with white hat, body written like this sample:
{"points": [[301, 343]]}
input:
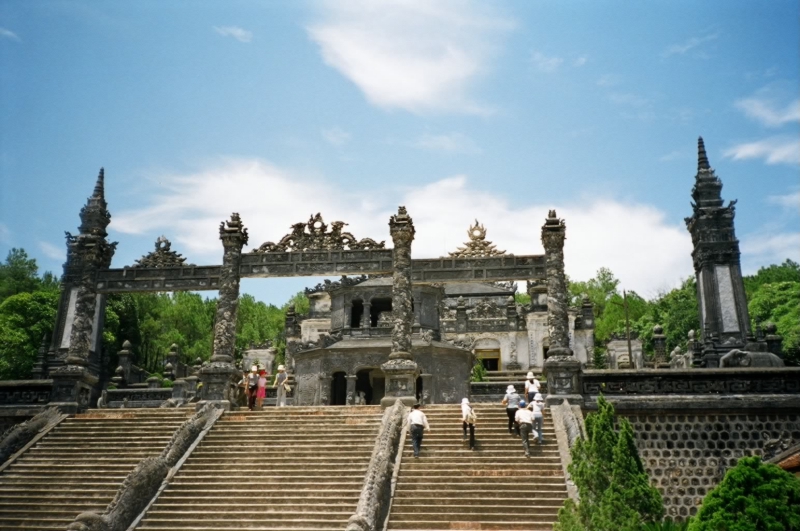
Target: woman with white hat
{"points": [[468, 418], [531, 386], [511, 401], [281, 385]]}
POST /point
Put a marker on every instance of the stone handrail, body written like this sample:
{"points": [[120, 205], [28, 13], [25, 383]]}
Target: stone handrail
{"points": [[376, 492], [16, 437], [568, 426], [131, 398], [25, 392], [782, 380], [145, 480]]}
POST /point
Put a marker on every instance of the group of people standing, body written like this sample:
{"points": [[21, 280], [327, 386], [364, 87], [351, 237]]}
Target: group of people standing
{"points": [[525, 418], [255, 386]]}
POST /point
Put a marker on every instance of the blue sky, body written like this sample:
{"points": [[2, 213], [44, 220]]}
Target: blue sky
{"points": [[458, 110]]}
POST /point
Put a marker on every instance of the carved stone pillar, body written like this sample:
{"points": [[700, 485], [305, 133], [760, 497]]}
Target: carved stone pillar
{"points": [[553, 236], [220, 375], [562, 368], [366, 318], [695, 349], [401, 370], [773, 340], [513, 363], [461, 316], [351, 389], [659, 345]]}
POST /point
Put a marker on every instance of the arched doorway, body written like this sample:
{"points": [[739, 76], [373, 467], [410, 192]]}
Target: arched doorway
{"points": [[338, 389], [356, 311], [372, 383]]}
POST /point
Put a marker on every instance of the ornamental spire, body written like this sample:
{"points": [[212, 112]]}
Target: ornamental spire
{"points": [[99, 187], [702, 159], [95, 216]]}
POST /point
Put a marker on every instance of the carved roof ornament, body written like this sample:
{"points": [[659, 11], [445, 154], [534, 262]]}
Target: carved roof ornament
{"points": [[315, 236], [163, 256], [477, 246]]}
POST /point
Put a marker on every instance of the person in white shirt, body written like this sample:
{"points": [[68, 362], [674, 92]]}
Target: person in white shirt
{"points": [[468, 420], [418, 422], [511, 401], [532, 386], [538, 416], [524, 418]]}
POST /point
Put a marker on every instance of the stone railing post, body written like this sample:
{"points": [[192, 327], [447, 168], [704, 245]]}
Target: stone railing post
{"points": [[561, 367], [659, 345], [366, 318], [219, 376], [401, 370], [773, 340]]}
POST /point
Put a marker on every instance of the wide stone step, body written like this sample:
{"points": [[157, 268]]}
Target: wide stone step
{"points": [[260, 521], [245, 509], [515, 486], [508, 524], [476, 498], [244, 495], [524, 514]]}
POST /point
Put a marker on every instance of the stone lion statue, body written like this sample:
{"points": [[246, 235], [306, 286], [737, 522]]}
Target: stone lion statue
{"points": [[744, 358]]}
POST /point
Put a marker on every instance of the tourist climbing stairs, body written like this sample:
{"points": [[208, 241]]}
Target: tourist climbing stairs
{"points": [[290, 468], [493, 487], [80, 464]]}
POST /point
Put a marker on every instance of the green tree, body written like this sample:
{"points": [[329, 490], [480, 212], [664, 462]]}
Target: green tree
{"points": [[676, 311], [25, 319], [779, 303], [788, 271], [20, 274], [753, 496], [614, 489]]}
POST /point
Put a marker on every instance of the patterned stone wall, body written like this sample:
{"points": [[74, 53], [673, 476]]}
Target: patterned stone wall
{"points": [[687, 454]]}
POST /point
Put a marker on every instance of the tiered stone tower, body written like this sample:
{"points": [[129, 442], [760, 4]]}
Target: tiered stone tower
{"points": [[720, 291]]}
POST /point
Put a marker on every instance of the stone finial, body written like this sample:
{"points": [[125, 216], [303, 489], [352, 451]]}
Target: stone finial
{"points": [[126, 345], [99, 187], [478, 245], [658, 330], [232, 232], [702, 158], [691, 335]]}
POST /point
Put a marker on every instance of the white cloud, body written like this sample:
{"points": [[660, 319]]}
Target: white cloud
{"points": [[8, 34], [189, 208], [336, 136], [774, 150], [790, 200], [674, 155], [5, 234], [450, 143], [415, 55], [240, 34], [53, 251], [765, 111], [545, 63], [760, 249], [580, 61], [608, 80], [689, 44]]}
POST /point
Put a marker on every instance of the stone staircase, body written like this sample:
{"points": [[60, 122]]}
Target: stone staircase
{"points": [[292, 468], [493, 388], [494, 487], [80, 464]]}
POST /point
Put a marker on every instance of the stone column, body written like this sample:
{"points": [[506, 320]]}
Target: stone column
{"points": [[659, 345], [401, 370], [351, 389], [366, 318], [461, 316], [561, 367], [219, 376]]}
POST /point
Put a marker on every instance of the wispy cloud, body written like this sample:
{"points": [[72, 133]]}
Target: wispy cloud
{"points": [[415, 55], [674, 155], [449, 143], [189, 207], [759, 249], [240, 34], [790, 201], [546, 63], [689, 44], [336, 136], [774, 150], [768, 113], [8, 34], [52, 251], [608, 80], [5, 234], [580, 61]]}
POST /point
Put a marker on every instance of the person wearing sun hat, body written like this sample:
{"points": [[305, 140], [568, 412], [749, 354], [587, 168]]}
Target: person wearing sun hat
{"points": [[538, 416], [252, 386], [531, 386], [511, 401], [468, 418], [281, 385]]}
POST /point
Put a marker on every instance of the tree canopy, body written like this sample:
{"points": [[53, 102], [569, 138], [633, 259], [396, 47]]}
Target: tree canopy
{"points": [[753, 496]]}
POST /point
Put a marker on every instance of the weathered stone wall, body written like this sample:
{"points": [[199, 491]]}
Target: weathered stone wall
{"points": [[687, 454]]}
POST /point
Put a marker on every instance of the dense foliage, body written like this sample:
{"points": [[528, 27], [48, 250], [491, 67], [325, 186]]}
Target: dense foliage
{"points": [[614, 489], [753, 496]]}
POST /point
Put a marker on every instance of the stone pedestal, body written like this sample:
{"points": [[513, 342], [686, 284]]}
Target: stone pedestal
{"points": [[401, 382], [563, 376], [72, 388], [219, 381]]}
